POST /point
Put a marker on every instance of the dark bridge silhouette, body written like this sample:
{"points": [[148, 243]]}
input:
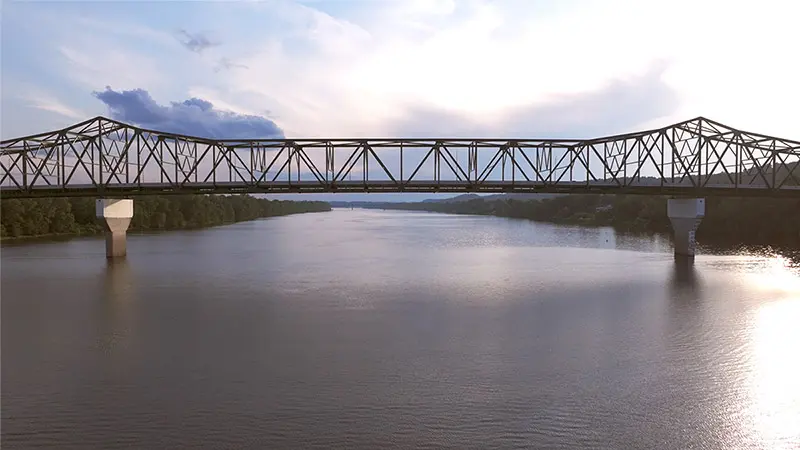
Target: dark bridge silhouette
{"points": [[106, 158], [112, 160]]}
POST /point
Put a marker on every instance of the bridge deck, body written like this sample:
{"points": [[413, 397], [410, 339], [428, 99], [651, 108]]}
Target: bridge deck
{"points": [[125, 190]]}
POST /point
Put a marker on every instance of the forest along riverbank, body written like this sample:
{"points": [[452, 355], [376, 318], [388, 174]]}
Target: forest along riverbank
{"points": [[22, 219], [728, 221]]}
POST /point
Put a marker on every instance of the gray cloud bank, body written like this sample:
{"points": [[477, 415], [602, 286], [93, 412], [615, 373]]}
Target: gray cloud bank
{"points": [[193, 117]]}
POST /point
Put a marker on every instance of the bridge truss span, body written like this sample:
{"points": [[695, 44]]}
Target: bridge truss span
{"points": [[106, 158]]}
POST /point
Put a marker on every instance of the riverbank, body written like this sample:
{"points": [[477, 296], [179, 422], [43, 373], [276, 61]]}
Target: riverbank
{"points": [[99, 232], [728, 221], [24, 220]]}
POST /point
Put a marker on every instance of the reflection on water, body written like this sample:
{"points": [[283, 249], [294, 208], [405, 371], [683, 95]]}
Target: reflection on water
{"points": [[116, 306], [369, 329], [683, 272], [684, 283]]}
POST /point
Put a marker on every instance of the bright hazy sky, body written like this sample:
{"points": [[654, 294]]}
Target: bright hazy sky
{"points": [[359, 68]]}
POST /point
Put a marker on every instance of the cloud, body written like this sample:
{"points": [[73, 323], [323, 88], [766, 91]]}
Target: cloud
{"points": [[329, 68], [621, 105], [196, 42], [55, 106], [34, 106], [348, 76], [95, 66], [336, 71], [193, 117], [44, 101], [227, 64]]}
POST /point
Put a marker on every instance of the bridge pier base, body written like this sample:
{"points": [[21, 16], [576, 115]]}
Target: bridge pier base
{"points": [[116, 215], [685, 215]]}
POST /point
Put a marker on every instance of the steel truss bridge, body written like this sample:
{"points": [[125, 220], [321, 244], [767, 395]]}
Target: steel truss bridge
{"points": [[106, 158]]}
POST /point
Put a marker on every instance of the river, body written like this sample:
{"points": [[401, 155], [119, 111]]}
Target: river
{"points": [[367, 329]]}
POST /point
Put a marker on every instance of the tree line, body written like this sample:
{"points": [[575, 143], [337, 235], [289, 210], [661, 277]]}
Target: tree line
{"points": [[727, 221], [75, 216]]}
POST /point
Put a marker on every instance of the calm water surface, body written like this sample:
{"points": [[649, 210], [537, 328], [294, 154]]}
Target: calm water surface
{"points": [[370, 329]]}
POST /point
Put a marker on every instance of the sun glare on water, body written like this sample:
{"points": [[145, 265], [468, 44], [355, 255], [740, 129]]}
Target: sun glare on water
{"points": [[775, 342], [776, 275]]}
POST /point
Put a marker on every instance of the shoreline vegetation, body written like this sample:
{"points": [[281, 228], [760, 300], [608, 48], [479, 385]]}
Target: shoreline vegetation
{"points": [[24, 220], [728, 221]]}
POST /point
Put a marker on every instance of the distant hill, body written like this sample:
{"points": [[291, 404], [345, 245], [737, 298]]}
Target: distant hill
{"points": [[456, 199], [789, 174], [353, 204], [521, 196], [493, 197]]}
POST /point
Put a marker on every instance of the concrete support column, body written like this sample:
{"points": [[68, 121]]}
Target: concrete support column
{"points": [[117, 215], [685, 215]]}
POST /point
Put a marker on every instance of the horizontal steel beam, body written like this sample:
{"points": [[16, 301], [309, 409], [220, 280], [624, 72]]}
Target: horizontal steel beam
{"points": [[382, 187]]}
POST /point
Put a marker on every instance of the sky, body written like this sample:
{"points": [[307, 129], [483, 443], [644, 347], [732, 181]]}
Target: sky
{"points": [[400, 68]]}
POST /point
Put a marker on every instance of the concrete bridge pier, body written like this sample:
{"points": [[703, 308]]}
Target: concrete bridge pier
{"points": [[117, 215], [685, 215]]}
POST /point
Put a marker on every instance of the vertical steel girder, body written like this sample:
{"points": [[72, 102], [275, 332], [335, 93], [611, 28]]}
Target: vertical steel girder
{"points": [[105, 157]]}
